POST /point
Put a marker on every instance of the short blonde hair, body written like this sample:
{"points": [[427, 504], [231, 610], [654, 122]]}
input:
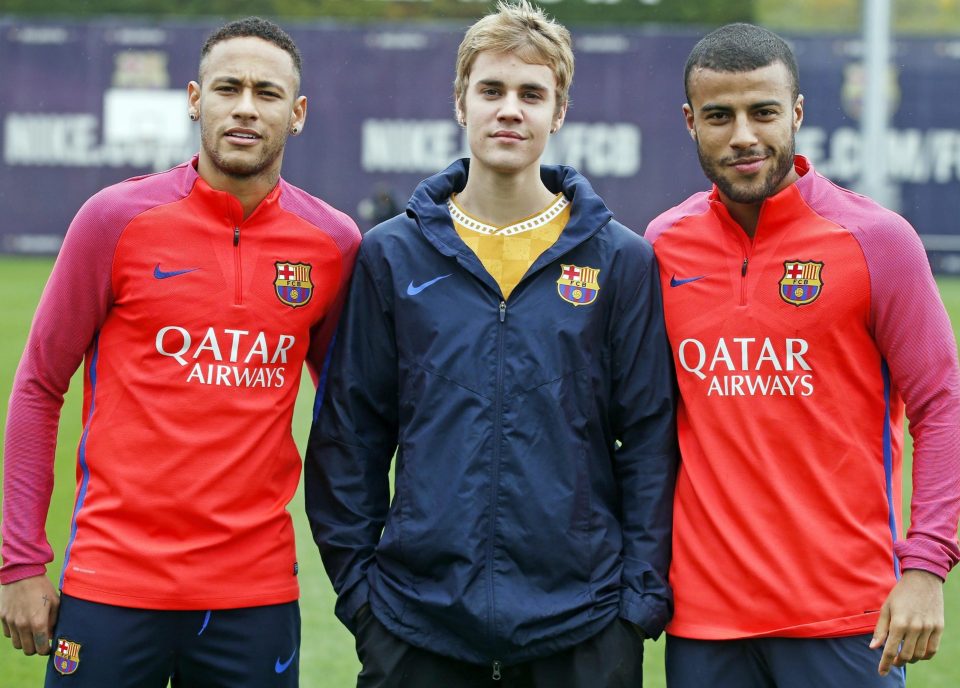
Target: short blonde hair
{"points": [[522, 29]]}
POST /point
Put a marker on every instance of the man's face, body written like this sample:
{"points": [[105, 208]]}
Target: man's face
{"points": [[247, 102], [745, 124], [509, 108]]}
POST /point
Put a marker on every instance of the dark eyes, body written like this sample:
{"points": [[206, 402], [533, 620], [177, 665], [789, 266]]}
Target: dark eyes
{"points": [[762, 114], [227, 89], [526, 95]]}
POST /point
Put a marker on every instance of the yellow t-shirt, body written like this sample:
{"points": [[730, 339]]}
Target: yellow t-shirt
{"points": [[508, 252]]}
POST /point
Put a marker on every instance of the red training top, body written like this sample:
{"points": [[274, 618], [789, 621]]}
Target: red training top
{"points": [[193, 325], [795, 353]]}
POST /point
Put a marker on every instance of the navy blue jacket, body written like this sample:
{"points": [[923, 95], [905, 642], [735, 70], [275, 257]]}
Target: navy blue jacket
{"points": [[535, 439]]}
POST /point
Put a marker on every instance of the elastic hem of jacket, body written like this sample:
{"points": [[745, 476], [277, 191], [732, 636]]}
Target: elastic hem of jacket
{"points": [[17, 572], [920, 564], [458, 650]]}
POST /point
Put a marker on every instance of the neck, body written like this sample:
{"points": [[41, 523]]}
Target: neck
{"points": [[501, 199], [250, 191], [745, 214]]}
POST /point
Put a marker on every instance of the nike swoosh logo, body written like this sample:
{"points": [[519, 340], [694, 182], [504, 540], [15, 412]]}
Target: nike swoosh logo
{"points": [[413, 291], [280, 667], [674, 282], [160, 274]]}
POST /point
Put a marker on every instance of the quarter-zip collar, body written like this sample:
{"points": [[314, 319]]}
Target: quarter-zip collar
{"points": [[228, 205], [777, 212], [428, 206]]}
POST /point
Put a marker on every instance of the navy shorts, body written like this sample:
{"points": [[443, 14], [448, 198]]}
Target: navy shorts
{"points": [[97, 645], [777, 663]]}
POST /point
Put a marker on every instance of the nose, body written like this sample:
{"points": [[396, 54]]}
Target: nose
{"points": [[510, 108], [245, 105], [743, 135]]}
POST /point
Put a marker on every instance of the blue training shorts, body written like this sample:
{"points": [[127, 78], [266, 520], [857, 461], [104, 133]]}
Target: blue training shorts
{"points": [[97, 645], [777, 663]]}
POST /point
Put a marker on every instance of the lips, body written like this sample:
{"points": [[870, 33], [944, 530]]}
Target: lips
{"points": [[508, 134], [750, 165], [242, 137]]}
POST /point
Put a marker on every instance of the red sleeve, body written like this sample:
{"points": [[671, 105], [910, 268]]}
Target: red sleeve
{"points": [[344, 233], [321, 335], [915, 338], [72, 308]]}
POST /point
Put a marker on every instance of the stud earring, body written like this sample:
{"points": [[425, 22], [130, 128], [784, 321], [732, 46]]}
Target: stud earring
{"points": [[295, 130], [194, 116]]}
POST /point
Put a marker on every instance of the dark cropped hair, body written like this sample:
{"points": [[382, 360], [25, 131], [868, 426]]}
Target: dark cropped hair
{"points": [[741, 48], [255, 27]]}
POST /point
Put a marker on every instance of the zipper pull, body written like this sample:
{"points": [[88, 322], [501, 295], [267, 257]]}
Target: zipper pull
{"points": [[743, 269], [236, 236], [503, 316], [496, 668]]}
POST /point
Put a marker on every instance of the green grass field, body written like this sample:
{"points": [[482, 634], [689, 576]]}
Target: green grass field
{"points": [[327, 659]]}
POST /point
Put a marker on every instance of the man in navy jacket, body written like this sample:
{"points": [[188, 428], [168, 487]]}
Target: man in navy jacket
{"points": [[505, 338]]}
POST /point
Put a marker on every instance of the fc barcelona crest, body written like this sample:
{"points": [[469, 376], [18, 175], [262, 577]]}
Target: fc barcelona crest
{"points": [[801, 283], [293, 284], [578, 285], [66, 659]]}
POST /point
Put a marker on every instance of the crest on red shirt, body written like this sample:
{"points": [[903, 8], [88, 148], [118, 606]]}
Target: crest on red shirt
{"points": [[293, 284], [801, 283], [66, 659], [578, 285]]}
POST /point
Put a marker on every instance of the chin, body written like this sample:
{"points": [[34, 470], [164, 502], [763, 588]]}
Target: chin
{"points": [[751, 194], [241, 168], [504, 165]]}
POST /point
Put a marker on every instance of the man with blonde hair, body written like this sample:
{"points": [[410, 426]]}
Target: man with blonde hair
{"points": [[504, 338]]}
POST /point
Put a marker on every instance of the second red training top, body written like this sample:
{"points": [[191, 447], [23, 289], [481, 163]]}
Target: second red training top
{"points": [[795, 353]]}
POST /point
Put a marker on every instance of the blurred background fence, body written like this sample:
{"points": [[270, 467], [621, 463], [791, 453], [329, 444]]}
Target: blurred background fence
{"points": [[95, 98]]}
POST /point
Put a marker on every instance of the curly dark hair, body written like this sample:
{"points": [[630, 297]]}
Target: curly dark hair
{"points": [[255, 27]]}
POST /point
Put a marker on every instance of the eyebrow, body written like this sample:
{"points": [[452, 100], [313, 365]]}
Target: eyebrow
{"points": [[263, 83], [712, 107], [533, 86]]}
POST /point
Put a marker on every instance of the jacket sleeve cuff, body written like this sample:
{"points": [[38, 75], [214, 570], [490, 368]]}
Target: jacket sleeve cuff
{"points": [[649, 612], [927, 555], [923, 565], [16, 572], [348, 604]]}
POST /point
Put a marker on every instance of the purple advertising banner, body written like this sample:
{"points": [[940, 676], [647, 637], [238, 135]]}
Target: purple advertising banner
{"points": [[89, 104]]}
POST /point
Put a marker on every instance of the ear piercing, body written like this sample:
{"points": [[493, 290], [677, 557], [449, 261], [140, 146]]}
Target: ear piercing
{"points": [[194, 116], [295, 130]]}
